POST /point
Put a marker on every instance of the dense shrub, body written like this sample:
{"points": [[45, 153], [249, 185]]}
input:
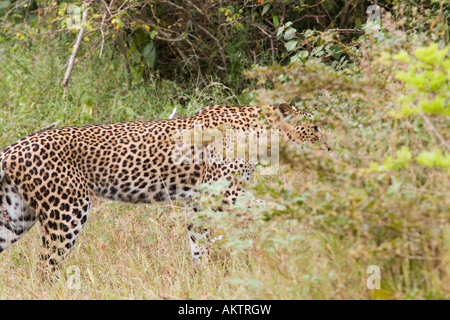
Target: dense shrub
{"points": [[380, 92], [383, 186], [191, 39]]}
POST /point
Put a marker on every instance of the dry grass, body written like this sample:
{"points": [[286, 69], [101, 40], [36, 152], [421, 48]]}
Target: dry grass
{"points": [[142, 252]]}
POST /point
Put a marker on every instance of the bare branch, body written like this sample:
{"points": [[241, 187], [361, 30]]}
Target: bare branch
{"points": [[76, 46]]}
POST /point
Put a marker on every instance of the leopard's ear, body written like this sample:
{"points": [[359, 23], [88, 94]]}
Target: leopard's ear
{"points": [[286, 109]]}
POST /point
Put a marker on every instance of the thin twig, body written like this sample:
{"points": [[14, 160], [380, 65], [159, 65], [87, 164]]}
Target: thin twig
{"points": [[76, 47], [102, 24], [14, 8], [438, 135]]}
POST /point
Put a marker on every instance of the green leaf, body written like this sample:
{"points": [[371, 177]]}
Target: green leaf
{"points": [[153, 34], [276, 21], [435, 158], [303, 55], [308, 33], [291, 45], [290, 33], [404, 156], [265, 9], [149, 54]]}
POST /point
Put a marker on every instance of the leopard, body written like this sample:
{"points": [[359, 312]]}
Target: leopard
{"points": [[53, 175]]}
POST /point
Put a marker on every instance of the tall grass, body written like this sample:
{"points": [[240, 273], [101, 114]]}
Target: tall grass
{"points": [[314, 244]]}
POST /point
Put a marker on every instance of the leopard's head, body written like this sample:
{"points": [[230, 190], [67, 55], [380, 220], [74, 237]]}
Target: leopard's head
{"points": [[299, 126]]}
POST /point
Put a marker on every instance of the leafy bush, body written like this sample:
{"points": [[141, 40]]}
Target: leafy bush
{"points": [[193, 39], [380, 188]]}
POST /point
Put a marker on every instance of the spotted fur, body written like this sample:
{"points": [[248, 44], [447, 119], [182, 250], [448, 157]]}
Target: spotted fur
{"points": [[51, 176]]}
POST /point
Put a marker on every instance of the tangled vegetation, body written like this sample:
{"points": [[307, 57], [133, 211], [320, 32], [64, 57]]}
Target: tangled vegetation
{"points": [[376, 78]]}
